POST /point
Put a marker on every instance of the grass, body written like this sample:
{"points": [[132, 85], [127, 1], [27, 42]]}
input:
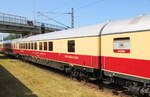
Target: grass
{"points": [[45, 83]]}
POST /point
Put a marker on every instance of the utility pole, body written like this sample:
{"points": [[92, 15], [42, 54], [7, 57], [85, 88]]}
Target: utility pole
{"points": [[71, 13], [72, 17]]}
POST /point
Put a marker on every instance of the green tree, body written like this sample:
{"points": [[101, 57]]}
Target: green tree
{"points": [[12, 36]]}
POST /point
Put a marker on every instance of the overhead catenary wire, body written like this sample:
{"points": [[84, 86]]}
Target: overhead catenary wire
{"points": [[75, 9], [53, 20], [89, 4], [79, 8], [63, 5], [71, 13]]}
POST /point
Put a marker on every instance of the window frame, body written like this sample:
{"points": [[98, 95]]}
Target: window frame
{"points": [[122, 45], [50, 46], [40, 46], [71, 46], [35, 46], [45, 46]]}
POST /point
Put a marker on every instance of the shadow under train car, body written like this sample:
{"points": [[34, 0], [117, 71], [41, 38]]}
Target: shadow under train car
{"points": [[11, 86]]}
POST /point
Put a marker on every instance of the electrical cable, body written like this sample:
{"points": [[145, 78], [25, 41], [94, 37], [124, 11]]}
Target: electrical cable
{"points": [[88, 4]]}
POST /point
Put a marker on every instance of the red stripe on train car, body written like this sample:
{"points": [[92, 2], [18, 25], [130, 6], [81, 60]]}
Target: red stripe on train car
{"points": [[134, 67], [83, 60], [137, 67]]}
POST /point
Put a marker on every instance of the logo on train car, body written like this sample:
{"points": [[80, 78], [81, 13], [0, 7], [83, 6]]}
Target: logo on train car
{"points": [[121, 45]]}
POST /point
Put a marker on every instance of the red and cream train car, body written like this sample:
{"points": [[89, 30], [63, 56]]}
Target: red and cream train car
{"points": [[117, 52], [5, 46], [1, 46]]}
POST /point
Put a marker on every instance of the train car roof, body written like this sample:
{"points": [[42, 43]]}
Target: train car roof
{"points": [[138, 23], [70, 33]]}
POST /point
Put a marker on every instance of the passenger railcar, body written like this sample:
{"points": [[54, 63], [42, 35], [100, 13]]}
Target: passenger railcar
{"points": [[1, 46], [113, 52], [5, 47]]}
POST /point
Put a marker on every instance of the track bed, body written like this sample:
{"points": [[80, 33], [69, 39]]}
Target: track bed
{"points": [[22, 79]]}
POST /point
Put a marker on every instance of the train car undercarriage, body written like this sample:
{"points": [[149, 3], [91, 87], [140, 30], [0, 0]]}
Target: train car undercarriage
{"points": [[136, 87]]}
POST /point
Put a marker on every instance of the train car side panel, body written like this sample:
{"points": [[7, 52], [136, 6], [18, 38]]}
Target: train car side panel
{"points": [[134, 63], [87, 55]]}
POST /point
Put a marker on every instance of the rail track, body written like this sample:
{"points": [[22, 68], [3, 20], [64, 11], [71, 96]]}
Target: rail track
{"points": [[92, 84]]}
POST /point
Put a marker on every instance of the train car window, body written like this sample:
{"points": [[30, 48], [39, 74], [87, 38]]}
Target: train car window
{"points": [[71, 45], [121, 45], [19, 45], [26, 46], [29, 46], [45, 45], [23, 46], [35, 46], [32, 45], [40, 46], [50, 44]]}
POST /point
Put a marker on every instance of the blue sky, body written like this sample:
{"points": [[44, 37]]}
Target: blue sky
{"points": [[87, 12], [91, 11]]}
